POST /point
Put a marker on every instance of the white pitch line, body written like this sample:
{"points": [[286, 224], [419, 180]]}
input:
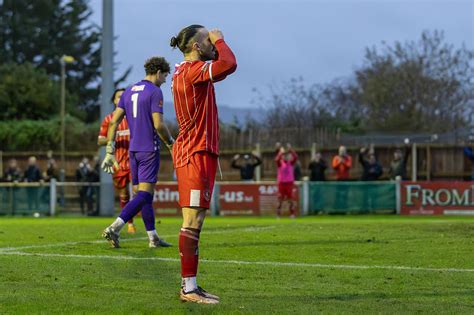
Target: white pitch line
{"points": [[243, 262], [247, 229]]}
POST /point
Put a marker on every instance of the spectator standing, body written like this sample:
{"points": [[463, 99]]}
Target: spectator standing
{"points": [[51, 168], [372, 170], [13, 172], [285, 161], [32, 175], [50, 173], [297, 170], [469, 153], [246, 165], [83, 176], [342, 164], [317, 168], [398, 166]]}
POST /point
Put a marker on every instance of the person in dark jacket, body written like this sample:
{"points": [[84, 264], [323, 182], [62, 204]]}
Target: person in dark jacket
{"points": [[246, 164], [13, 172], [372, 170], [398, 166], [297, 171], [32, 175], [469, 153], [317, 168], [84, 172]]}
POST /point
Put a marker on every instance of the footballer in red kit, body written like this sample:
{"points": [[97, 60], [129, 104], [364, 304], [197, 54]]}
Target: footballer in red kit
{"points": [[207, 59], [122, 176]]}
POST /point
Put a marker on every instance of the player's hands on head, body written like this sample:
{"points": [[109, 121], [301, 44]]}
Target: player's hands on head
{"points": [[214, 35]]}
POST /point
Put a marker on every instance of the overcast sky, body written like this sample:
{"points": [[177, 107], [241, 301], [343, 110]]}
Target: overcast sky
{"points": [[276, 40]]}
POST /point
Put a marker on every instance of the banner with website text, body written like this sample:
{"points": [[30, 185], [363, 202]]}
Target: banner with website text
{"points": [[229, 198]]}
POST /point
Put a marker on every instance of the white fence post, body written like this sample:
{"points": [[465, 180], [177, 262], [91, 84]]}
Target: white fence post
{"points": [[305, 208], [258, 169], [52, 196], [215, 200], [414, 163], [398, 194]]}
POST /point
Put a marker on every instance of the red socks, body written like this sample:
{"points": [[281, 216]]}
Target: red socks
{"points": [[189, 251], [123, 203]]}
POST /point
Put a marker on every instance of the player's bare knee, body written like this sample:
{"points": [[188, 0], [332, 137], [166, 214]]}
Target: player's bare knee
{"points": [[193, 217]]}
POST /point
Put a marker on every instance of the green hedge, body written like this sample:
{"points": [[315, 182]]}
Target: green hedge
{"points": [[42, 135]]}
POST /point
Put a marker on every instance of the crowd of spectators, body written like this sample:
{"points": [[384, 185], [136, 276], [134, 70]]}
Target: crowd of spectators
{"points": [[85, 175], [341, 163]]}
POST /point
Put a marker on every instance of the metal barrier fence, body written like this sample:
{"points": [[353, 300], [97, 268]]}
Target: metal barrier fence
{"points": [[49, 198], [256, 198], [352, 197]]}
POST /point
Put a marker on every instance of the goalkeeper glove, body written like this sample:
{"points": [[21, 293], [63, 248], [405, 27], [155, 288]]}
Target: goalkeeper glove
{"points": [[109, 160]]}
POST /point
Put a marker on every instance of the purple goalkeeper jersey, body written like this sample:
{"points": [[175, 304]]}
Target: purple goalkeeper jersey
{"points": [[139, 102]]}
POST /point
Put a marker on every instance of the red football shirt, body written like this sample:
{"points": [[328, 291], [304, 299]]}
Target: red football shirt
{"points": [[122, 141], [195, 103]]}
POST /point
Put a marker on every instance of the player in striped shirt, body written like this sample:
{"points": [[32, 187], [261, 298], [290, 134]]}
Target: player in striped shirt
{"points": [[121, 176], [196, 149]]}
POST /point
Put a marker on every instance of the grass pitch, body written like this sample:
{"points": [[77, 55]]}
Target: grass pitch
{"points": [[331, 265]]}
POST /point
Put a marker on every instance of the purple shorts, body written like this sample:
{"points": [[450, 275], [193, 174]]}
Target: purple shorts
{"points": [[144, 167]]}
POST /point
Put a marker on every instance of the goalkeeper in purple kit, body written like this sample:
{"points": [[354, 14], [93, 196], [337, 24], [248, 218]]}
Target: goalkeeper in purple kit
{"points": [[142, 105]]}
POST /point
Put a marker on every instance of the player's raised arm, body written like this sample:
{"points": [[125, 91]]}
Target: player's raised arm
{"points": [[226, 63]]}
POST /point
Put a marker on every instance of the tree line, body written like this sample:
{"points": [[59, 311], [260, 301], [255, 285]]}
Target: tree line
{"points": [[414, 86]]}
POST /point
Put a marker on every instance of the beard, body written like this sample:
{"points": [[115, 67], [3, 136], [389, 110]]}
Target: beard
{"points": [[210, 55]]}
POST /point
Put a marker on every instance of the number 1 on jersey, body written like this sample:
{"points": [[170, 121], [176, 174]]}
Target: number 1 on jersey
{"points": [[135, 104]]}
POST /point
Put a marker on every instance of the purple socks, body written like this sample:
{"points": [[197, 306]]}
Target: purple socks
{"points": [[142, 201], [148, 216]]}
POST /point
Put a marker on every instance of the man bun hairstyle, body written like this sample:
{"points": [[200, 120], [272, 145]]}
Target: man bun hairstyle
{"points": [[182, 40], [154, 64]]}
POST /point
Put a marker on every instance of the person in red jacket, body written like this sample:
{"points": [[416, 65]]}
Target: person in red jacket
{"points": [[207, 60], [342, 164]]}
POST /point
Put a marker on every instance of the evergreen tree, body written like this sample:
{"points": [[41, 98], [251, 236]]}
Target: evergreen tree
{"points": [[41, 31]]}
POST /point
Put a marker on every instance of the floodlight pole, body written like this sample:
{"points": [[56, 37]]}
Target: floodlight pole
{"points": [[107, 200], [62, 173], [62, 114]]}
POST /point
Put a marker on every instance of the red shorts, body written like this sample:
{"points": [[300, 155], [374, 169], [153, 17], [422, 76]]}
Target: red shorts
{"points": [[121, 179], [285, 190], [196, 180]]}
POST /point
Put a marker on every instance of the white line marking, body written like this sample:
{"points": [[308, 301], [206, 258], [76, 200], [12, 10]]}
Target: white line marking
{"points": [[247, 229], [243, 262]]}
